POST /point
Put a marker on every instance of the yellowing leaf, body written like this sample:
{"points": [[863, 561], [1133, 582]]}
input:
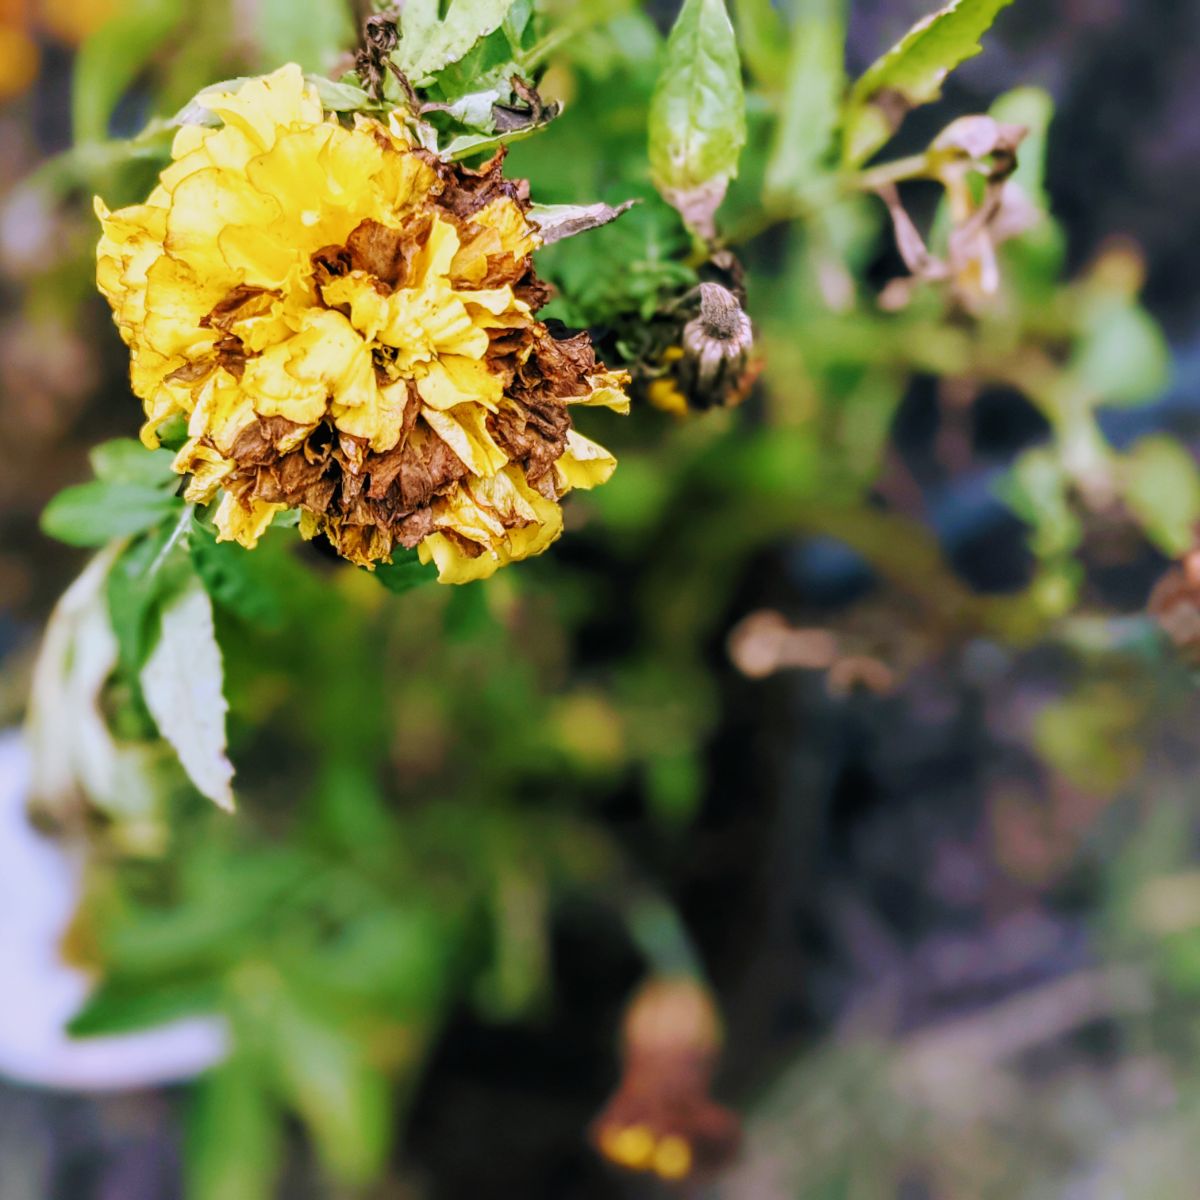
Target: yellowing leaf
{"points": [[182, 682]]}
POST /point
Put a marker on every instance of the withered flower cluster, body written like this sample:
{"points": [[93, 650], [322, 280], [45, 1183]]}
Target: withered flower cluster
{"points": [[348, 325]]}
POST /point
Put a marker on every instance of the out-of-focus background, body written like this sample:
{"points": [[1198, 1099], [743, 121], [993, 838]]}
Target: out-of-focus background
{"points": [[783, 701]]}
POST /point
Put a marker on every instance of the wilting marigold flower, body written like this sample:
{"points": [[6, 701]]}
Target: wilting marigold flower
{"points": [[662, 1118], [347, 324]]}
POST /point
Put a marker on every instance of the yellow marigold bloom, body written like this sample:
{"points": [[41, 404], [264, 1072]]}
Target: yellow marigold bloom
{"points": [[348, 325]]}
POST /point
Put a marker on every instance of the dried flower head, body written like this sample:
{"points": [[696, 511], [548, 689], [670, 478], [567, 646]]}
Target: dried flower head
{"points": [[662, 1118], [347, 324], [710, 365]]}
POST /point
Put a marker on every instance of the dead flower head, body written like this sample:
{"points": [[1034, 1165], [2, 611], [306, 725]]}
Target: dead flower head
{"points": [[709, 366], [661, 1118], [347, 325], [979, 221]]}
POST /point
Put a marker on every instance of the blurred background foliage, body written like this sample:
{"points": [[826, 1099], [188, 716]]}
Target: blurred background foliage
{"points": [[848, 695]]}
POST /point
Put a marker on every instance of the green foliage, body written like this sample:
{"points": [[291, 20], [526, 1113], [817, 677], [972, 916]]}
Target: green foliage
{"points": [[1122, 356], [405, 572], [812, 102], [1162, 487], [430, 40], [912, 71], [148, 573], [92, 514], [112, 59], [697, 113], [763, 38], [235, 1135], [313, 33]]}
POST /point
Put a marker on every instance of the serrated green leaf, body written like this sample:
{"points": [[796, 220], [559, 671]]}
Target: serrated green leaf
{"points": [[92, 514], [912, 72], [812, 104], [182, 682], [111, 59], [405, 572], [122, 1006], [124, 460], [234, 1135], [1162, 489], [698, 110], [429, 42]]}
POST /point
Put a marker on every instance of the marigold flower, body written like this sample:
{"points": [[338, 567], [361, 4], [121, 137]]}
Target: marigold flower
{"points": [[347, 323]]}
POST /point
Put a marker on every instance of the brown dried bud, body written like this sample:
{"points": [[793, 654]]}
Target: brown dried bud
{"points": [[662, 1118], [1175, 605], [380, 32], [711, 366]]}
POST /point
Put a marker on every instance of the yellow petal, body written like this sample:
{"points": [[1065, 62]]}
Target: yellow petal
{"points": [[261, 106], [453, 380], [243, 523], [438, 252], [204, 205], [584, 463], [464, 429]]}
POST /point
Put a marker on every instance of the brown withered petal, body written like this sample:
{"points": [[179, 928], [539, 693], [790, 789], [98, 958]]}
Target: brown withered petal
{"points": [[662, 1118], [380, 251], [1175, 605], [466, 191]]}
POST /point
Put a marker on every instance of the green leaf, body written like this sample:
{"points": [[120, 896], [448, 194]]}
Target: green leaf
{"points": [[312, 33], [145, 575], [113, 57], [429, 42], [1162, 489], [405, 572], [912, 72], [763, 37], [698, 112], [234, 1135], [339, 96], [235, 578], [812, 104], [125, 460], [122, 1006], [344, 1101], [92, 514], [1038, 491], [182, 682], [1122, 356]]}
